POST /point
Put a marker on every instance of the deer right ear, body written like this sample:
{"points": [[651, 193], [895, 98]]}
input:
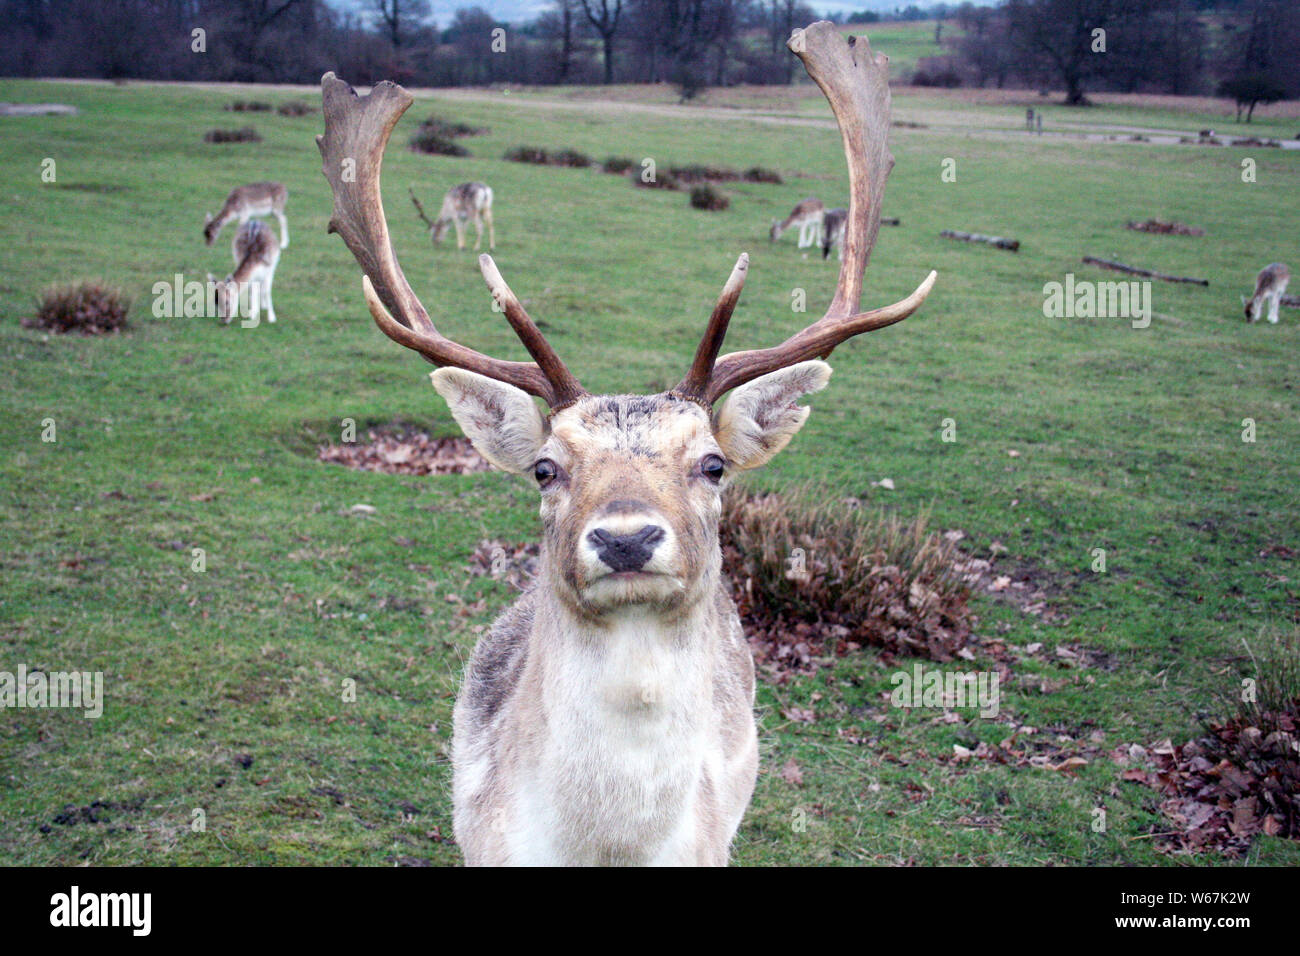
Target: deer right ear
{"points": [[502, 421]]}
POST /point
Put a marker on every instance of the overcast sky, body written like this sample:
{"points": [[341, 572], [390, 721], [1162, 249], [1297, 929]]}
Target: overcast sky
{"points": [[521, 11]]}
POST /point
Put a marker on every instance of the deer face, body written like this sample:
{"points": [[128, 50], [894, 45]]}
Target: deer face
{"points": [[631, 486], [209, 229]]}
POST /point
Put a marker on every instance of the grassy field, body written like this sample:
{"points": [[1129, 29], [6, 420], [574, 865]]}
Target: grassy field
{"points": [[225, 688]]}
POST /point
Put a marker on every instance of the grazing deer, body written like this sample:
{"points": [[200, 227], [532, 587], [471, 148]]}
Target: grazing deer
{"points": [[245, 202], [807, 215], [833, 232], [1270, 285], [607, 717], [467, 202], [256, 253]]}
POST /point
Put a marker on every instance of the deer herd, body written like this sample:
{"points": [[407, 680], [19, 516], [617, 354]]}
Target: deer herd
{"points": [[607, 717]]}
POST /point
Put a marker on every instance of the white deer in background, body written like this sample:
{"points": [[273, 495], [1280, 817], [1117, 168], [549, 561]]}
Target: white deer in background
{"points": [[256, 254], [607, 716], [245, 202], [807, 215], [1270, 285], [468, 202]]}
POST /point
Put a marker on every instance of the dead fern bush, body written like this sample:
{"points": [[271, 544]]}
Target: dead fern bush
{"points": [[88, 308], [807, 567]]}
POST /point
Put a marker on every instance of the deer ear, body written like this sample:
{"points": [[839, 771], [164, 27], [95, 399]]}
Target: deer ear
{"points": [[761, 417], [502, 421]]}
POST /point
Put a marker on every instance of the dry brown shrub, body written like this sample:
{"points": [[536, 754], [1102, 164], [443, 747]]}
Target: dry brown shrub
{"points": [[88, 308], [813, 576]]}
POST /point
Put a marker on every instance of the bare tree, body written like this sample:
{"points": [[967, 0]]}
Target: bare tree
{"points": [[604, 18], [1060, 33], [397, 18]]}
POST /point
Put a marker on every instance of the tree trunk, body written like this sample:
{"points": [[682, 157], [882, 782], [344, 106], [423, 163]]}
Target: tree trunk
{"points": [[566, 49], [608, 40]]}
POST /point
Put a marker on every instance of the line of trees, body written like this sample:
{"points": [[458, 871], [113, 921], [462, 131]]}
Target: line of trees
{"points": [[691, 42], [1242, 48]]}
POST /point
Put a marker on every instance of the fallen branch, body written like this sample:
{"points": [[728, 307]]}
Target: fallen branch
{"points": [[886, 221], [1134, 271], [1291, 300], [420, 209], [1001, 243]]}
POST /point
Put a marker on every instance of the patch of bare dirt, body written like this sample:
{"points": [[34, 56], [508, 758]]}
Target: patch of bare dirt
{"points": [[397, 451], [1163, 228]]}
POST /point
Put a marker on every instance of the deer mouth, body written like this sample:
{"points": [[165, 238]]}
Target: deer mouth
{"points": [[621, 588]]}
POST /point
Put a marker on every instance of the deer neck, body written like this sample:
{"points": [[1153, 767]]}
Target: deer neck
{"points": [[636, 668]]}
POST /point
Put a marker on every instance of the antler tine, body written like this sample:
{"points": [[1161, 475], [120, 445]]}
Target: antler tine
{"points": [[567, 389], [357, 129], [695, 385], [856, 83]]}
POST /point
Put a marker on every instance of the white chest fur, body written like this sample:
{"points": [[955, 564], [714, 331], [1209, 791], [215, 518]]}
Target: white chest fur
{"points": [[628, 735]]}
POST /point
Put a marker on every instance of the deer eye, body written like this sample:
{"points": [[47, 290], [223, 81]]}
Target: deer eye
{"points": [[712, 467], [544, 471]]}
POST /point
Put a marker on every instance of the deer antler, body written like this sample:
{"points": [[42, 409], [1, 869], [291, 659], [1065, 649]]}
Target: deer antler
{"points": [[856, 83], [356, 131]]}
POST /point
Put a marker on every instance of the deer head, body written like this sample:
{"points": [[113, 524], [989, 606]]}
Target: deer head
{"points": [[225, 296], [209, 229], [630, 485]]}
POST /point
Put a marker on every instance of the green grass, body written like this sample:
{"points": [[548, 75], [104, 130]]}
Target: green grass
{"points": [[904, 42], [185, 434]]}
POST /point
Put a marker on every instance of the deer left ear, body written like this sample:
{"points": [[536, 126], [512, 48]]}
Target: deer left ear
{"points": [[761, 417], [502, 421]]}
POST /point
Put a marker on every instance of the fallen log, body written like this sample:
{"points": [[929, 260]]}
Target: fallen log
{"points": [[886, 221], [1001, 243], [1134, 271], [1291, 300]]}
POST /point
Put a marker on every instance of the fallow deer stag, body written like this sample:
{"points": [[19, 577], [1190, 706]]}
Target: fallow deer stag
{"points": [[607, 717]]}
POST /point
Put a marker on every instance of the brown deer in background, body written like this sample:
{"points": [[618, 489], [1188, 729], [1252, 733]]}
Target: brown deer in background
{"points": [[807, 215], [245, 202], [468, 202], [607, 717]]}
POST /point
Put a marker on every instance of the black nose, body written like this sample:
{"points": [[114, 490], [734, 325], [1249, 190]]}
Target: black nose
{"points": [[626, 552]]}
